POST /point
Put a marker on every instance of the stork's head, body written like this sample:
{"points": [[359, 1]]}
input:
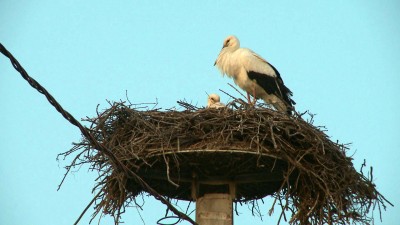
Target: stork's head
{"points": [[212, 99], [232, 42]]}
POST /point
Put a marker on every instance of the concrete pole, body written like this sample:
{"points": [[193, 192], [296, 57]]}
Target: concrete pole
{"points": [[214, 209]]}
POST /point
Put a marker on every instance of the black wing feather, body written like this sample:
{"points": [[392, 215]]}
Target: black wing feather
{"points": [[273, 85]]}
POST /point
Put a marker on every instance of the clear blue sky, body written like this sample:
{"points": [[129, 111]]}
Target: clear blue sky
{"points": [[340, 58]]}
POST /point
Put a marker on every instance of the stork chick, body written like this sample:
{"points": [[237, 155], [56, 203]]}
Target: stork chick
{"points": [[213, 102]]}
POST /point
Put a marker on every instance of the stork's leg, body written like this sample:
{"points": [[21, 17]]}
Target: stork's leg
{"points": [[248, 97], [254, 96]]}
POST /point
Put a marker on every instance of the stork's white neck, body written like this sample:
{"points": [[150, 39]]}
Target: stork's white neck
{"points": [[226, 61]]}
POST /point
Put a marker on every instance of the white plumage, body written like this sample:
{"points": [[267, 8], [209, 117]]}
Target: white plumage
{"points": [[254, 75], [213, 102]]}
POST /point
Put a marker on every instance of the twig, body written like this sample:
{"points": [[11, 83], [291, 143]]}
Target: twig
{"points": [[87, 207]]}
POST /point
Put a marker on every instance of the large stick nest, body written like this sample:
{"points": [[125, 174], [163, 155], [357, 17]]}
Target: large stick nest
{"points": [[288, 158]]}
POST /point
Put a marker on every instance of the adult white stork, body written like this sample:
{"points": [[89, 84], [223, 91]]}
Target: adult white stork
{"points": [[254, 75], [213, 102]]}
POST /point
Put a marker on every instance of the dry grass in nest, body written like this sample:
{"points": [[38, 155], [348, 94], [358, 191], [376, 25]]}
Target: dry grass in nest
{"points": [[318, 183]]}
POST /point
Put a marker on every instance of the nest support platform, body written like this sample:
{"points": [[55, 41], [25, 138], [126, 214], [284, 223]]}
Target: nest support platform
{"points": [[214, 179], [189, 174]]}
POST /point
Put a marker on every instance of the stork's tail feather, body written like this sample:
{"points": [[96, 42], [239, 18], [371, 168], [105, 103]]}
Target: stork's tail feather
{"points": [[283, 107], [290, 110]]}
